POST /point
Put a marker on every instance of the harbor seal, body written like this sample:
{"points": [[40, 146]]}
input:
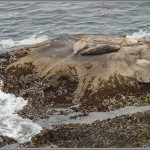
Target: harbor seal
{"points": [[80, 45], [130, 41], [102, 49]]}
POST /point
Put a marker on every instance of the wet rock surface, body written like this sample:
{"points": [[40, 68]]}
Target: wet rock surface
{"points": [[51, 78], [6, 141], [120, 132]]}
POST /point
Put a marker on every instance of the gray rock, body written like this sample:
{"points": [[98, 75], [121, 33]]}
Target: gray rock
{"points": [[16, 145], [143, 76], [88, 65]]}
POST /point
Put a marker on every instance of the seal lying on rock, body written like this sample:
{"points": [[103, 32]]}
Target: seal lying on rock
{"points": [[102, 49], [80, 45], [130, 41]]}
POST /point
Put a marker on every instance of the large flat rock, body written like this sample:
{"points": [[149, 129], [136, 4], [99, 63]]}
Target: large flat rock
{"points": [[57, 53]]}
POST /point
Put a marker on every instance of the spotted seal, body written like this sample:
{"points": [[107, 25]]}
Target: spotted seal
{"points": [[102, 49]]}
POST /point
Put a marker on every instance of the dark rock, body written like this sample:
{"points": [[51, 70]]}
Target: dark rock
{"points": [[4, 140], [120, 132]]}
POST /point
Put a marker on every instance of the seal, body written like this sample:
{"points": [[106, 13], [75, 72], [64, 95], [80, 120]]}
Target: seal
{"points": [[130, 41], [102, 49], [80, 45]]}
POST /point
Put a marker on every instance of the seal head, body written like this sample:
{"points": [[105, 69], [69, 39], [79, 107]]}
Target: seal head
{"points": [[80, 45]]}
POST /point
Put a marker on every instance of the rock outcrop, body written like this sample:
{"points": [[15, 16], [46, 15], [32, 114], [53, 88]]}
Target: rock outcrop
{"points": [[6, 141], [49, 76], [52, 79]]}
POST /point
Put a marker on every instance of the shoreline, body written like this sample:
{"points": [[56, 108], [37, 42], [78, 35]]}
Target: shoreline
{"points": [[100, 83]]}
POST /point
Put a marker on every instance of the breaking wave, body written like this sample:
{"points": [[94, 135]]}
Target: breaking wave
{"points": [[9, 43], [11, 124], [141, 34]]}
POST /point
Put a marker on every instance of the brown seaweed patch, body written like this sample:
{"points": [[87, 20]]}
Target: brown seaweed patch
{"points": [[15, 54], [13, 84], [21, 70], [115, 93], [4, 140], [44, 93], [62, 85], [120, 132]]}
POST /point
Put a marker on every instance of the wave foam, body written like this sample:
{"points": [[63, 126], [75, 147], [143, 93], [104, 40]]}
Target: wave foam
{"points": [[34, 39], [11, 124], [141, 34]]}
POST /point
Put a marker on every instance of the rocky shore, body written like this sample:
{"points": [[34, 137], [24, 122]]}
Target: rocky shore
{"points": [[121, 132], [52, 79], [6, 141]]}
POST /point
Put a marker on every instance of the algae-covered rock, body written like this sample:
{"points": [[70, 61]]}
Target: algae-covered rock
{"points": [[49, 76], [117, 92], [131, 131], [54, 81], [4, 140]]}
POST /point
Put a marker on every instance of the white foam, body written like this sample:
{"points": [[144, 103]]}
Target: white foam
{"points": [[141, 34], [11, 124], [34, 39]]}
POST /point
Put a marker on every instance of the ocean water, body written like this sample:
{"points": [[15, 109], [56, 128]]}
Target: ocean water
{"points": [[25, 23], [11, 124]]}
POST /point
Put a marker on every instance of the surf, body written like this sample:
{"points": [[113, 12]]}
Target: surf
{"points": [[11, 124]]}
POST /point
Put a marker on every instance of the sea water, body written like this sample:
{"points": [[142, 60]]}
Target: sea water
{"points": [[26, 23], [11, 124]]}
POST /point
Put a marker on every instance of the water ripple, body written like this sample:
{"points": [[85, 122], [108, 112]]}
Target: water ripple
{"points": [[23, 19]]}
